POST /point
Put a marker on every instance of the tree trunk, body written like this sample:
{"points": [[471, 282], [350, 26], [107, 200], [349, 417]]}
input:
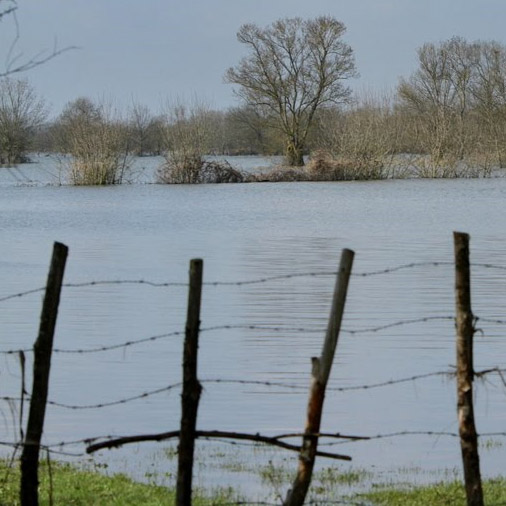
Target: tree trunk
{"points": [[294, 154]]}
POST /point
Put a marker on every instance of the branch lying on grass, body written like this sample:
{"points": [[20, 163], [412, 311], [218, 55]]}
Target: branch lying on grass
{"points": [[274, 441]]}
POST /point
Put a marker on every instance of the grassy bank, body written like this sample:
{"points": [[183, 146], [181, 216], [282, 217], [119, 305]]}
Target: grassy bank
{"points": [[66, 485], [440, 494]]}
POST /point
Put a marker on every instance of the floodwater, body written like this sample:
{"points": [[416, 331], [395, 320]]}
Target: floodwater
{"points": [[247, 232]]}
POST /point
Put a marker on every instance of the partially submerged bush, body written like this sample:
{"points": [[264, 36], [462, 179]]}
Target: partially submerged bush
{"points": [[95, 142], [356, 143], [197, 171], [279, 175], [474, 165], [322, 167], [220, 172], [325, 167], [187, 132]]}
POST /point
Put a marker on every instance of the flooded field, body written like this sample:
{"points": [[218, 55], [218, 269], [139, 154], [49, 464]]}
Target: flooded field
{"points": [[248, 232]]}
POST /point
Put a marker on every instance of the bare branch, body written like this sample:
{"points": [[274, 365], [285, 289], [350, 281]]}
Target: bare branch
{"points": [[213, 434], [16, 63]]}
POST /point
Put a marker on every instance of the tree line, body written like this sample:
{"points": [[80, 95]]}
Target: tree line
{"points": [[448, 118]]}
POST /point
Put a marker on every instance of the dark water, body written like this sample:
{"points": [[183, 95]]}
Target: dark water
{"points": [[245, 232]]}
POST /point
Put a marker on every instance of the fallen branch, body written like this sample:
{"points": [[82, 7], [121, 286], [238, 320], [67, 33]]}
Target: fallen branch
{"points": [[258, 438]]}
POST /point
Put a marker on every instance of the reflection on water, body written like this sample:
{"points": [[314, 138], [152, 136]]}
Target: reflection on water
{"points": [[246, 232]]}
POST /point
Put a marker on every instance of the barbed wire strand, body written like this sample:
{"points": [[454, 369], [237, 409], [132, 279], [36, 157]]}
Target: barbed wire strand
{"points": [[125, 400], [299, 387], [448, 373], [364, 439], [277, 329], [265, 279], [389, 435], [398, 323]]}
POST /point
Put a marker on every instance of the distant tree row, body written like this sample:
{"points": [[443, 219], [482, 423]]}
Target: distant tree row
{"points": [[237, 131], [448, 118]]}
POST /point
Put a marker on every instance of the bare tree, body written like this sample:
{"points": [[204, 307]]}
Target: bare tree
{"points": [[294, 68], [21, 113], [188, 136], [440, 95], [140, 124], [431, 91], [489, 94], [458, 100]]}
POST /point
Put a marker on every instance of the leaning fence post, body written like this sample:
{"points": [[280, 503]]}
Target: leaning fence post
{"points": [[41, 366], [465, 372], [320, 375], [191, 388]]}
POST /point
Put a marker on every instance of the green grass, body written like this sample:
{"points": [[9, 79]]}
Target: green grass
{"points": [[440, 494], [332, 476], [80, 487]]}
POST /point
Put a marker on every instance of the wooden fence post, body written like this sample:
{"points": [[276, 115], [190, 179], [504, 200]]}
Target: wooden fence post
{"points": [[41, 366], [191, 388], [465, 372], [320, 375]]}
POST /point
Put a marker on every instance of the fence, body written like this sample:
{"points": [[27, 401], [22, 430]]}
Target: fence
{"points": [[191, 386]]}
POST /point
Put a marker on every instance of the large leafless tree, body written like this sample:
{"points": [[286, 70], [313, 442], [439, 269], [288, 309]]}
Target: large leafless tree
{"points": [[294, 67]]}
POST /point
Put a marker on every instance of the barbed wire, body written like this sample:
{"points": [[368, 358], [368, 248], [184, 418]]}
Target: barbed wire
{"points": [[402, 267], [489, 266], [15, 445], [398, 323], [57, 447], [124, 400], [261, 280], [278, 384], [278, 329], [491, 320], [11, 399], [448, 373], [369, 386], [182, 333], [265, 279], [388, 435], [21, 294], [156, 337], [359, 439]]}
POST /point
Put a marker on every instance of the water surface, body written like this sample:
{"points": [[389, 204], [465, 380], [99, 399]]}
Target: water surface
{"points": [[245, 232]]}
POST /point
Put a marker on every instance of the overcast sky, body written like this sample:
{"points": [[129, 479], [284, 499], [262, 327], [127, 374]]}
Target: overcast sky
{"points": [[152, 49]]}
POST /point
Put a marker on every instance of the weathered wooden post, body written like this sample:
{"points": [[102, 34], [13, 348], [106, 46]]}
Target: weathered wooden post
{"points": [[191, 388], [41, 366], [320, 375], [465, 372]]}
